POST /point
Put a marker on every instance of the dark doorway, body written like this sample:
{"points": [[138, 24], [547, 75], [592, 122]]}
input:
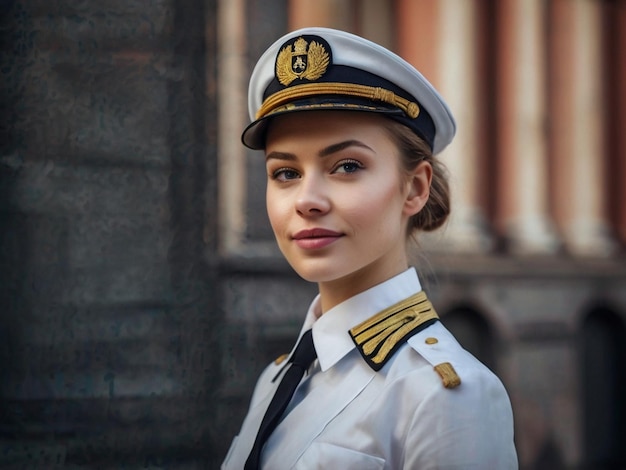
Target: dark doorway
{"points": [[603, 386], [474, 333]]}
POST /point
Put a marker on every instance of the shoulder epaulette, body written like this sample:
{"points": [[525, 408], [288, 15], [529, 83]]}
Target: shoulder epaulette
{"points": [[380, 336]]}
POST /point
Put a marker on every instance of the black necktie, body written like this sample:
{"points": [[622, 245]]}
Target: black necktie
{"points": [[301, 360]]}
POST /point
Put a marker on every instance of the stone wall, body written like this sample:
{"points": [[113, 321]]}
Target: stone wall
{"points": [[108, 305]]}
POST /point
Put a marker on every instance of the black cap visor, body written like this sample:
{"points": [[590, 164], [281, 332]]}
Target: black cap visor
{"points": [[254, 135]]}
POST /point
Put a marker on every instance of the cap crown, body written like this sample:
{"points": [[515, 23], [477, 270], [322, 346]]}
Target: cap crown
{"points": [[322, 68]]}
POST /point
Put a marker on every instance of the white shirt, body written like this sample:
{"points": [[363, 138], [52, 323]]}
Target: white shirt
{"points": [[346, 415]]}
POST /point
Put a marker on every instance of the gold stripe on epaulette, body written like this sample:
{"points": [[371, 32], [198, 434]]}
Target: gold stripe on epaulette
{"points": [[381, 335], [448, 375]]}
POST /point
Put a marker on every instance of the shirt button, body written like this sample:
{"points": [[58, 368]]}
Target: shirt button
{"points": [[431, 340]]}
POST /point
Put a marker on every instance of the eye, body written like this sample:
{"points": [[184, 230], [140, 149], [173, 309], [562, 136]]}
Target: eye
{"points": [[348, 166], [284, 174]]}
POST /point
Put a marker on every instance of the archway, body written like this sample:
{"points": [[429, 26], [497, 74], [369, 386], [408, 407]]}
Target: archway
{"points": [[603, 388], [474, 333]]}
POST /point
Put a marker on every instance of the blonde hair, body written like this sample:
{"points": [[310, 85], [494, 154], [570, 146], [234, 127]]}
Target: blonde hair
{"points": [[414, 150]]}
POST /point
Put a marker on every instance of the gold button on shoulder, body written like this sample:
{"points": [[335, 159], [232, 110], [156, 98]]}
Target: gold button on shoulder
{"points": [[280, 359], [431, 340]]}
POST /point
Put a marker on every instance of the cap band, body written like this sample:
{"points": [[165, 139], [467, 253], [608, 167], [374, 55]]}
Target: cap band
{"points": [[410, 108]]}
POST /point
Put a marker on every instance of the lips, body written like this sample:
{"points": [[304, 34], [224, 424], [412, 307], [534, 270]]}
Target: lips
{"points": [[315, 233], [316, 238]]}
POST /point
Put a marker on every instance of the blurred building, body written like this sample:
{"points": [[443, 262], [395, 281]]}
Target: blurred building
{"points": [[530, 272], [141, 292]]}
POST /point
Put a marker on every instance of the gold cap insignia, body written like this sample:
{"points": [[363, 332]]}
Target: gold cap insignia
{"points": [[301, 60]]}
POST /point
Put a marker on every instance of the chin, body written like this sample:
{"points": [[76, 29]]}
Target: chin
{"points": [[314, 271], [320, 271], [313, 275]]}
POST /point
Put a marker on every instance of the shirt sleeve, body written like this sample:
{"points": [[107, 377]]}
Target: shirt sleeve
{"points": [[468, 427]]}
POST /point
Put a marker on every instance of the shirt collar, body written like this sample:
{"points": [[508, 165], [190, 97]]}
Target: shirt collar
{"points": [[330, 331]]}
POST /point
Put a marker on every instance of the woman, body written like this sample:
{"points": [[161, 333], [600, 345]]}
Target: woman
{"points": [[349, 131]]}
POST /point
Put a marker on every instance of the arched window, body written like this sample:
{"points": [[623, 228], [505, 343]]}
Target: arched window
{"points": [[474, 333], [603, 388]]}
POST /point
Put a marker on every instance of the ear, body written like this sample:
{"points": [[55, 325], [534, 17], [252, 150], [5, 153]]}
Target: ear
{"points": [[418, 188]]}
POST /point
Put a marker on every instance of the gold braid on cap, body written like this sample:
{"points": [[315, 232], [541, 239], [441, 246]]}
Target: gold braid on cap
{"points": [[287, 95]]}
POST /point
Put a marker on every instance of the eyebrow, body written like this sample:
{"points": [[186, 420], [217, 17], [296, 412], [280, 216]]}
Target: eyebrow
{"points": [[331, 149]]}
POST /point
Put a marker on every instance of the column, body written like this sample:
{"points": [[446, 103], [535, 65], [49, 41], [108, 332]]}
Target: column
{"points": [[376, 22], [416, 29], [459, 73], [440, 39], [619, 197], [579, 128], [232, 78], [522, 198], [327, 13]]}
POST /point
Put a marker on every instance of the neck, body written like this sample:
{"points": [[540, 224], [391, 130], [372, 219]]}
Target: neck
{"points": [[334, 292]]}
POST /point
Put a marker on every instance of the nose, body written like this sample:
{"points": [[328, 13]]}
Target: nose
{"points": [[312, 199]]}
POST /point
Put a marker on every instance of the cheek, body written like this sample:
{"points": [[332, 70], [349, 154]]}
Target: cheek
{"points": [[378, 204], [383, 194], [275, 210]]}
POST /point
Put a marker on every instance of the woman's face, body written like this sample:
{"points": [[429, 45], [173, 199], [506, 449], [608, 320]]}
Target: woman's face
{"points": [[337, 199]]}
